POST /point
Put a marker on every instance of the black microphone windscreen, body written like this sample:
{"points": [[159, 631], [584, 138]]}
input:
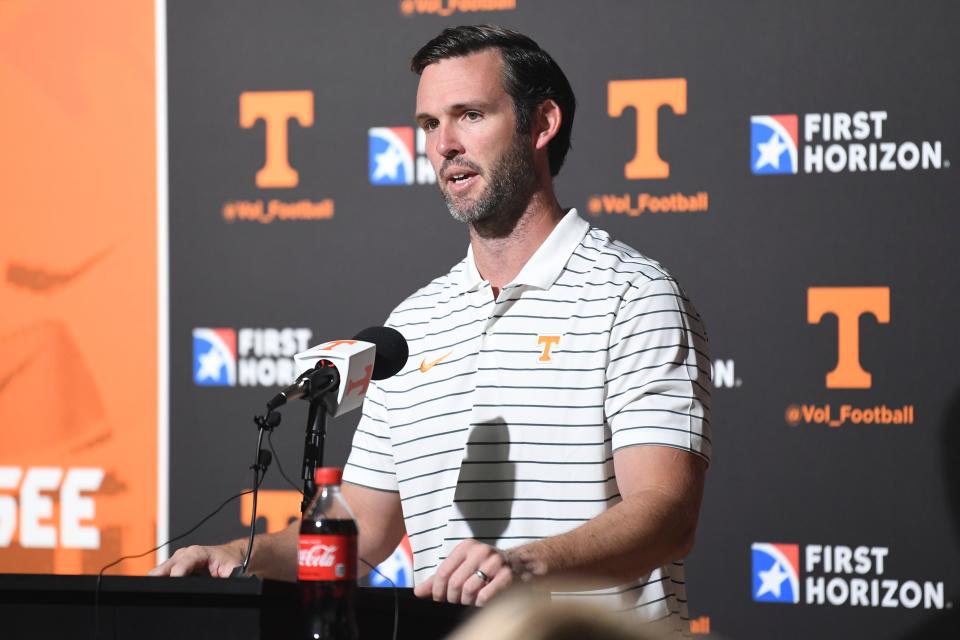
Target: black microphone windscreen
{"points": [[392, 350], [264, 458]]}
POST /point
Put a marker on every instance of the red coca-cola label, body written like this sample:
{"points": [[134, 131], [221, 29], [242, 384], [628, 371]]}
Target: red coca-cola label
{"points": [[327, 557]]}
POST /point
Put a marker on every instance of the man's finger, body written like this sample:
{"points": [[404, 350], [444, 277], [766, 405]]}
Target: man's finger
{"points": [[163, 569], [188, 563], [489, 567], [183, 562], [424, 589], [223, 569], [471, 588], [179, 569], [500, 582], [439, 586], [447, 569], [461, 580]]}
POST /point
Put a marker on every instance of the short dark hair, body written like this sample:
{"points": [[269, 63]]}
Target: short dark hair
{"points": [[530, 76]]}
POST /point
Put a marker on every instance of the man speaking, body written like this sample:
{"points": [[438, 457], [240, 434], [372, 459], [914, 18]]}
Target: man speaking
{"points": [[552, 422]]}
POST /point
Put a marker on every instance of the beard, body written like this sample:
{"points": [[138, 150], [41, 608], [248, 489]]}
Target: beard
{"points": [[509, 187]]}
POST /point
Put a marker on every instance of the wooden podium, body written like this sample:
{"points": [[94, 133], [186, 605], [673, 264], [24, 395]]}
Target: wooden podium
{"points": [[41, 607]]}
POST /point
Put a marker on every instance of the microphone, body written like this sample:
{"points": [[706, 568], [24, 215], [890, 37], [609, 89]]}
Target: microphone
{"points": [[345, 366], [392, 350], [323, 376]]}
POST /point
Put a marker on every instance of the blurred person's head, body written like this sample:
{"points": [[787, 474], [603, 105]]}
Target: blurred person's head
{"points": [[521, 616]]}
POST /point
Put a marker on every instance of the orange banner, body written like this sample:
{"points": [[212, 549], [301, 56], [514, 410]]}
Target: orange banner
{"points": [[78, 286]]}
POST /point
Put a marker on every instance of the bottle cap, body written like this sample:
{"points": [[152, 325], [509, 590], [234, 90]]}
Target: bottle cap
{"points": [[327, 475]]}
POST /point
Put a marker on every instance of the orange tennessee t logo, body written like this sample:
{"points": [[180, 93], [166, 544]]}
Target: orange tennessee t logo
{"points": [[426, 366], [848, 304], [361, 383], [276, 108], [547, 342], [646, 97]]}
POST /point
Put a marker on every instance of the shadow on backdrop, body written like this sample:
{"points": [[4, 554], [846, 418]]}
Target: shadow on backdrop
{"points": [[946, 624]]}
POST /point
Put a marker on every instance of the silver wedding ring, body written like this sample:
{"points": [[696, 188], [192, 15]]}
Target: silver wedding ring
{"points": [[480, 574]]}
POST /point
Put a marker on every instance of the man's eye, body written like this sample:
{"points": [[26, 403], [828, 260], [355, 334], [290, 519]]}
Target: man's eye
{"points": [[429, 125], [472, 115]]}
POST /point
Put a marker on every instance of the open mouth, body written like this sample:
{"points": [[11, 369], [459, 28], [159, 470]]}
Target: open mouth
{"points": [[459, 180]]}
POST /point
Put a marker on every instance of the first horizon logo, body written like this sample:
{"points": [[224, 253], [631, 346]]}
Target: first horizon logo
{"points": [[836, 575], [398, 156], [226, 357], [835, 142]]}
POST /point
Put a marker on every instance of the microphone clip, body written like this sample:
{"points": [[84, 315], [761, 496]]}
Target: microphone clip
{"points": [[268, 421], [264, 458]]}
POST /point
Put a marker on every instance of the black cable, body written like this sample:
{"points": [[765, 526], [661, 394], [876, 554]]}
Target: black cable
{"points": [[259, 470], [396, 597], [280, 466], [96, 592]]}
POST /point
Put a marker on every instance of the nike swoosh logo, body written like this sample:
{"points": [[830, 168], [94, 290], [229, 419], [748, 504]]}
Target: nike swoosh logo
{"points": [[40, 279], [426, 366]]}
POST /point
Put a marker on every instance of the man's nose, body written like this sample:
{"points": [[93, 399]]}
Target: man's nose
{"points": [[448, 144]]}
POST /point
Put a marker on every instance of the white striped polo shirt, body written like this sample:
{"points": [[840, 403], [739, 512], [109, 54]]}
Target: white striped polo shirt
{"points": [[503, 422]]}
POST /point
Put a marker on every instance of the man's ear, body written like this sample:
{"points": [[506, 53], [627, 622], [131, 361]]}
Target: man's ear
{"points": [[546, 123]]}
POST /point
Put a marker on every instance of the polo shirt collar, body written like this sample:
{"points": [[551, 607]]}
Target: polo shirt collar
{"points": [[471, 280], [544, 266]]}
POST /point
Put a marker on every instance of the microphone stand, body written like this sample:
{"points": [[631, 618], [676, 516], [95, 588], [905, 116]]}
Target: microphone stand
{"points": [[314, 439], [313, 450], [266, 422], [312, 446]]}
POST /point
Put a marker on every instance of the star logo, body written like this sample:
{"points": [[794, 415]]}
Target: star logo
{"points": [[772, 579], [770, 152], [214, 357], [391, 155], [388, 162], [776, 572], [211, 363], [774, 144]]}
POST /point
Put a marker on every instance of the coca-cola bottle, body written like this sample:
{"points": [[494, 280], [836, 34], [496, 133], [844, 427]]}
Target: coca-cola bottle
{"points": [[327, 562]]}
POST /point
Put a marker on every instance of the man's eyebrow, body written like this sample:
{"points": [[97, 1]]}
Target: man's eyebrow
{"points": [[457, 108]]}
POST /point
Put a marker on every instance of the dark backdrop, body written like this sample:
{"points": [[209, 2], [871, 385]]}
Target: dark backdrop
{"points": [[747, 261]]}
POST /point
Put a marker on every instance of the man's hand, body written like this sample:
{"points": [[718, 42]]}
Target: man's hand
{"points": [[219, 561], [379, 519], [458, 578]]}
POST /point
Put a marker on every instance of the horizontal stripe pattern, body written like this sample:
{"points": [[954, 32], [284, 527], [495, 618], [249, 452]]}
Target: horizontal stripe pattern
{"points": [[505, 442]]}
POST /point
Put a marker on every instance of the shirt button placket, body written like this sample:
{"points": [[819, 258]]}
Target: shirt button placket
{"points": [[486, 361]]}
